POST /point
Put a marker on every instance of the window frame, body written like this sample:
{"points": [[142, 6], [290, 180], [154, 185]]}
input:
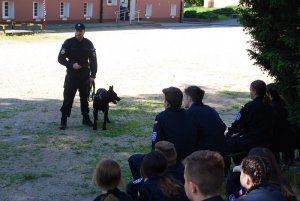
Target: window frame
{"points": [[173, 11], [8, 10], [87, 9], [5, 9], [64, 9], [36, 10], [148, 10], [112, 3]]}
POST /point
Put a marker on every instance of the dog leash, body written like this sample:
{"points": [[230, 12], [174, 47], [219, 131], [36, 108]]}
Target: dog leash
{"points": [[91, 89]]}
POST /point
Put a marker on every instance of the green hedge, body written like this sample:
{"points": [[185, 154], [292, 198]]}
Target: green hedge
{"points": [[210, 13]]}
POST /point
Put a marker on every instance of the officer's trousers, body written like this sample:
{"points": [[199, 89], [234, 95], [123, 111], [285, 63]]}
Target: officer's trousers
{"points": [[72, 84]]}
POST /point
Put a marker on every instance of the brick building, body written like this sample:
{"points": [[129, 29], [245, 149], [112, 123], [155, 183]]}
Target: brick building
{"points": [[66, 11]]}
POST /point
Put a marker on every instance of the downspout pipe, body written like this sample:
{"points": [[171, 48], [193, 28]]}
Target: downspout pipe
{"points": [[181, 12], [101, 11]]}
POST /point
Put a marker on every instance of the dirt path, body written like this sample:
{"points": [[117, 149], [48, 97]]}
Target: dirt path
{"points": [[41, 163]]}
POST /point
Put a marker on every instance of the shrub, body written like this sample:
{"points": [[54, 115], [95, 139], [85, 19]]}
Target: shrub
{"points": [[274, 26], [190, 14]]}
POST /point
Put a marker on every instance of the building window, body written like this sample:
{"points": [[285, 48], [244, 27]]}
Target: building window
{"points": [[38, 10], [112, 2], [64, 9], [87, 9], [7, 9], [173, 10], [148, 10]]}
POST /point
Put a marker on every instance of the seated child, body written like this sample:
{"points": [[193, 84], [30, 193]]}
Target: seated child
{"points": [[107, 176], [255, 178], [158, 186]]}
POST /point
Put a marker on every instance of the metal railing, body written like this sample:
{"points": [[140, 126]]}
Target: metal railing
{"points": [[120, 13], [132, 15]]}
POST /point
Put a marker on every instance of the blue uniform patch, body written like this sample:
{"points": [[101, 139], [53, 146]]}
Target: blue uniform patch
{"points": [[154, 135], [137, 181], [238, 116]]}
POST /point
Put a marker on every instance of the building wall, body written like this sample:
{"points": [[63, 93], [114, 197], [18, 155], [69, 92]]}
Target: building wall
{"points": [[220, 3], [161, 10], [23, 10]]}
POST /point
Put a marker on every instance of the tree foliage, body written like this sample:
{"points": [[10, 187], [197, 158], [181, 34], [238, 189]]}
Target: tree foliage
{"points": [[195, 2], [274, 26]]}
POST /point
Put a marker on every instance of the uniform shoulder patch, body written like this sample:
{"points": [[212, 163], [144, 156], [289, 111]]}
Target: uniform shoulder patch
{"points": [[94, 52], [154, 135], [62, 51], [238, 116], [138, 180]]}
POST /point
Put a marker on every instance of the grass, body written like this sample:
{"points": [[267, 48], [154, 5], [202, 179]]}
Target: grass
{"points": [[239, 100], [12, 111], [211, 14], [37, 37], [23, 177]]}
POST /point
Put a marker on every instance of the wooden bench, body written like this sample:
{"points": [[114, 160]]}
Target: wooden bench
{"points": [[13, 31]]}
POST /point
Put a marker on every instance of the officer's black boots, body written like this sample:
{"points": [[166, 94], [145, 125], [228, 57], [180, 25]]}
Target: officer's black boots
{"points": [[63, 123], [86, 121]]}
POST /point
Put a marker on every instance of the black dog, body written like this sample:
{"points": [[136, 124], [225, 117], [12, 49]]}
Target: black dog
{"points": [[101, 102]]}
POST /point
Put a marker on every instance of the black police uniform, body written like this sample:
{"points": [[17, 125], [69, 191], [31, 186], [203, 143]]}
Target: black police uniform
{"points": [[117, 193], [151, 191], [175, 171], [215, 198], [177, 126], [211, 128], [254, 124], [83, 53], [284, 139], [270, 192]]}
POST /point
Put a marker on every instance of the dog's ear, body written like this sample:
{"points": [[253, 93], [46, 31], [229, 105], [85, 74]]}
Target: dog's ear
{"points": [[111, 87]]}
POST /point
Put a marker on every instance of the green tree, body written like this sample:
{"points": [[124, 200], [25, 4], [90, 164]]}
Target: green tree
{"points": [[195, 2], [274, 26]]}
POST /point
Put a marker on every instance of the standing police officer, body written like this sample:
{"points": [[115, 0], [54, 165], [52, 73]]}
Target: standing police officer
{"points": [[79, 56]]}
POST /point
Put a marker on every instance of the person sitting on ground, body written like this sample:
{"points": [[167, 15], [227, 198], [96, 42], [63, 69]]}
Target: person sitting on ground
{"points": [[284, 139], [159, 186], [255, 178], [233, 186], [175, 169], [173, 124], [253, 125], [107, 176], [204, 176], [211, 128]]}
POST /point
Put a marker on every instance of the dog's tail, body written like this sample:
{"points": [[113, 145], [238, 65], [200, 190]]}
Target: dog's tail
{"points": [[91, 90]]}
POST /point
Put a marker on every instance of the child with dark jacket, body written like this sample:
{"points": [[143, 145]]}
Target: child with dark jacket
{"points": [[175, 169], [159, 186], [255, 178], [107, 176]]}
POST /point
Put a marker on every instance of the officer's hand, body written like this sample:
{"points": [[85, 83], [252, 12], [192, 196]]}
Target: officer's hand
{"points": [[76, 66], [92, 79]]}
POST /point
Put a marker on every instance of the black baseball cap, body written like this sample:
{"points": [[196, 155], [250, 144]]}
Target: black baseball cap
{"points": [[79, 26]]}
